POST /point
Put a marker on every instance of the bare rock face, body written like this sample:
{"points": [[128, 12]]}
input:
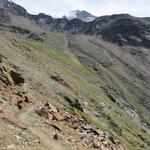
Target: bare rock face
{"points": [[7, 7], [4, 17], [128, 31], [13, 8], [4, 3]]}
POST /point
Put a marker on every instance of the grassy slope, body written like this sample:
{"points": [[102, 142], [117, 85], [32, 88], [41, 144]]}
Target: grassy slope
{"points": [[54, 56]]}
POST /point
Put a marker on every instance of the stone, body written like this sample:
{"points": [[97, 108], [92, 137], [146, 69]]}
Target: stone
{"points": [[111, 138], [4, 75], [58, 136], [51, 107], [58, 116], [17, 77], [96, 145], [20, 104], [44, 112], [74, 103], [88, 127], [78, 105], [1, 110], [14, 120], [57, 77], [18, 137], [57, 127]]}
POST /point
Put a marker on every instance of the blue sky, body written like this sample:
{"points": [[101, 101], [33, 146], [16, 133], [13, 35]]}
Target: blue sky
{"points": [[57, 8]]}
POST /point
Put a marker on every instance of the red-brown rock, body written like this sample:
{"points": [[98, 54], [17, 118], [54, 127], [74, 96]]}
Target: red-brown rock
{"points": [[58, 116], [13, 119]]}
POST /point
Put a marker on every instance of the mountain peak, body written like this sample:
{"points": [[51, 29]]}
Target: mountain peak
{"points": [[80, 14]]}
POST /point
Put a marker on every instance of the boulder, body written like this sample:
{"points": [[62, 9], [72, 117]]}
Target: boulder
{"points": [[58, 116], [56, 77], [96, 145], [17, 77], [58, 136], [57, 127], [14, 120], [44, 112]]}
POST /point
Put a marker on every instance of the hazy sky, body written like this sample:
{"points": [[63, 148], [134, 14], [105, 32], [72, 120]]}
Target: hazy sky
{"points": [[55, 8]]}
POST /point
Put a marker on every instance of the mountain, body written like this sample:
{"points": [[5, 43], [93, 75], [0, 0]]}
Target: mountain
{"points": [[82, 15], [70, 84]]}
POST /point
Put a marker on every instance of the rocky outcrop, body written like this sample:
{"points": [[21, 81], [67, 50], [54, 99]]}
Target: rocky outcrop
{"points": [[12, 85], [4, 16], [91, 136], [17, 77], [13, 8], [128, 31]]}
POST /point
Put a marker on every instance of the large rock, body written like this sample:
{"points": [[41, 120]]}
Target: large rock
{"points": [[10, 117], [44, 112], [58, 116], [57, 77], [58, 136], [17, 77]]}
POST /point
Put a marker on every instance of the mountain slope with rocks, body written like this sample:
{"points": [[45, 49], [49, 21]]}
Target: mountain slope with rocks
{"points": [[70, 84]]}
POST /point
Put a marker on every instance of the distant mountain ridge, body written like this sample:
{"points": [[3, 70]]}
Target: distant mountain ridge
{"points": [[121, 29]]}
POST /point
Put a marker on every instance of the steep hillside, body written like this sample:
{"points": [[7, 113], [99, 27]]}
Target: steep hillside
{"points": [[69, 84]]}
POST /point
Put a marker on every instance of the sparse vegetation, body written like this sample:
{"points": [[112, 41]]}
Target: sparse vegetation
{"points": [[91, 68]]}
